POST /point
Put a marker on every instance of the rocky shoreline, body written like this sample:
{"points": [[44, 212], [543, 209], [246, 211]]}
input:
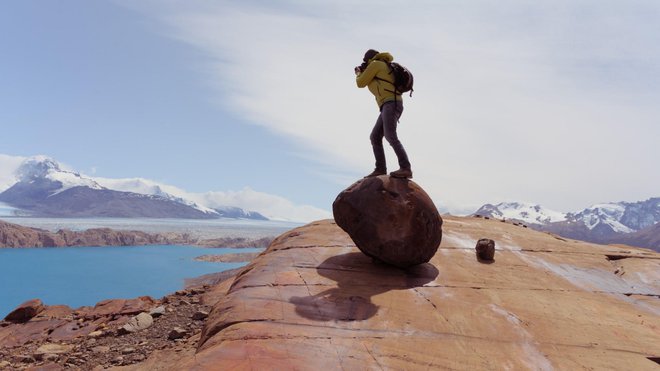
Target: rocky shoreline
{"points": [[229, 258], [116, 332], [211, 278]]}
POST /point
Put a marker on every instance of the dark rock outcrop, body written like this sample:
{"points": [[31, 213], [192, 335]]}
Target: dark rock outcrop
{"points": [[177, 333], [392, 220], [485, 249], [124, 307], [25, 311]]}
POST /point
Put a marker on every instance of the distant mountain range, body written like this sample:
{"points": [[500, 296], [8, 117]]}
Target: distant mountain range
{"points": [[631, 223], [44, 189]]}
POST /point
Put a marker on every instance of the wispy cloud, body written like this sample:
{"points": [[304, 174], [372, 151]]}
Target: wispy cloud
{"points": [[550, 102], [8, 166], [272, 206]]}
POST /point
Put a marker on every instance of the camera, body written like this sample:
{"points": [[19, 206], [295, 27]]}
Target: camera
{"points": [[361, 68]]}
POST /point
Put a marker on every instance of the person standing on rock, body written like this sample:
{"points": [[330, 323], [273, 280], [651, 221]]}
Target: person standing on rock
{"points": [[376, 74]]}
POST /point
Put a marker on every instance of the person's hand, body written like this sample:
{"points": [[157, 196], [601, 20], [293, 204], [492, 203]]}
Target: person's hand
{"points": [[358, 70]]}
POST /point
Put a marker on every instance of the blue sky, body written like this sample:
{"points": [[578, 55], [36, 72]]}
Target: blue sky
{"points": [[95, 85], [551, 102]]}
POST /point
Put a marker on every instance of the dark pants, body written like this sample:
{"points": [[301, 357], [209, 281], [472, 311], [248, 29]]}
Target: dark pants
{"points": [[386, 127]]}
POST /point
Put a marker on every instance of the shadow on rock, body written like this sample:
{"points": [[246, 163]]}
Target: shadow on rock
{"points": [[485, 261], [358, 279]]}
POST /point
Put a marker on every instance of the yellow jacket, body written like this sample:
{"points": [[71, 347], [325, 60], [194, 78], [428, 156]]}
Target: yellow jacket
{"points": [[378, 77]]}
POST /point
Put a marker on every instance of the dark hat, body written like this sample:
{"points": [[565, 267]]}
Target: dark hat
{"points": [[369, 54]]}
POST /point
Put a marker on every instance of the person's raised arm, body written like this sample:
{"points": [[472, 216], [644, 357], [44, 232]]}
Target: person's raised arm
{"points": [[364, 78]]}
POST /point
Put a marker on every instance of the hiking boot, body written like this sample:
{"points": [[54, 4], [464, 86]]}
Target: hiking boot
{"points": [[376, 172], [402, 173]]}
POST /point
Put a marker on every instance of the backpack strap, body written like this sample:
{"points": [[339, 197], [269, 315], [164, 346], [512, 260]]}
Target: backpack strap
{"points": [[389, 82], [395, 91]]}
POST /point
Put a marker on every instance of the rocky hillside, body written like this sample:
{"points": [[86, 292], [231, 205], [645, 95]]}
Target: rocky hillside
{"points": [[112, 333], [313, 301], [13, 235], [649, 237]]}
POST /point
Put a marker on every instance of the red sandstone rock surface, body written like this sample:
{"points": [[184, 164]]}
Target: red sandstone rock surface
{"points": [[313, 301], [25, 311]]}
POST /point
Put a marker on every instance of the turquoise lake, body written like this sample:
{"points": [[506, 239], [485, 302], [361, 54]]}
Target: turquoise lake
{"points": [[77, 276]]}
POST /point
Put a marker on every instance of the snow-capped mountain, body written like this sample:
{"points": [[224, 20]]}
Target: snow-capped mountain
{"points": [[526, 213], [605, 223], [43, 168], [237, 212], [625, 217], [601, 223], [44, 188], [147, 187], [604, 215], [619, 217]]}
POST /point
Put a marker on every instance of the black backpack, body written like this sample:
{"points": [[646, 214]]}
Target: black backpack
{"points": [[403, 79]]}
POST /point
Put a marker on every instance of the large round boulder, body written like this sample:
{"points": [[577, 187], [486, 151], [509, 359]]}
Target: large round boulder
{"points": [[390, 219]]}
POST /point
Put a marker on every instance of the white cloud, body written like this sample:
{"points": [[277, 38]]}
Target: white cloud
{"points": [[10, 164], [550, 101], [8, 167], [272, 206]]}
